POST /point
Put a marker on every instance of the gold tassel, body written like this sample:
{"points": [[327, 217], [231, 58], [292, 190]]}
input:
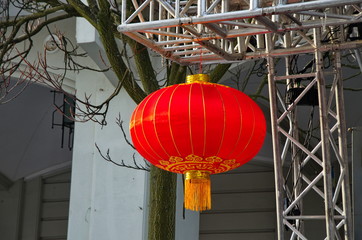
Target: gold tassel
{"points": [[197, 190]]}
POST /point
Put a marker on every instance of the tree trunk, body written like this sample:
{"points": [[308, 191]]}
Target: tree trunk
{"points": [[162, 205]]}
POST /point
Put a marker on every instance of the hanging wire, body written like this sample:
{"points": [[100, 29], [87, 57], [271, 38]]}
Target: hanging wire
{"points": [[200, 64]]}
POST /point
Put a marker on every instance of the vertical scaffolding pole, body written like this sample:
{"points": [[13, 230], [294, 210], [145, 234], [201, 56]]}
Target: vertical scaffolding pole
{"points": [[342, 142], [324, 131], [293, 124], [278, 171], [334, 199]]}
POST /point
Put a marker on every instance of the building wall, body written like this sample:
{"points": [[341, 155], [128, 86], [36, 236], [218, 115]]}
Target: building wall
{"points": [[357, 181], [36, 209], [243, 205], [10, 211], [106, 201]]}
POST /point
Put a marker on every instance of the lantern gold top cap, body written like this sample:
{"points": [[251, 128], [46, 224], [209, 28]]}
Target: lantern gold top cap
{"points": [[198, 78]]}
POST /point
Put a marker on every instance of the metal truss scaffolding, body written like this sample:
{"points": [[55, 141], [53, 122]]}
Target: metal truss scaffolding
{"points": [[329, 183], [216, 31], [309, 165]]}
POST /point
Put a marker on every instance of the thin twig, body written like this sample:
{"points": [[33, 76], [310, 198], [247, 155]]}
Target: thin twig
{"points": [[120, 124], [136, 166]]}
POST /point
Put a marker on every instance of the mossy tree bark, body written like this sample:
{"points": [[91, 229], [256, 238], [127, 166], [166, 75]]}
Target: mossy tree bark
{"points": [[161, 220]]}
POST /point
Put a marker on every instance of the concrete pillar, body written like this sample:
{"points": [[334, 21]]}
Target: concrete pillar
{"points": [[107, 201]]}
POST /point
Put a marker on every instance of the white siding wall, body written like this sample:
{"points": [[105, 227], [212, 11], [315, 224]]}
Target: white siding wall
{"points": [[36, 209], [107, 201], [243, 205]]}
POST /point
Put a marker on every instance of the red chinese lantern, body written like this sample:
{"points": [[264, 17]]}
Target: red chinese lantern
{"points": [[197, 129]]}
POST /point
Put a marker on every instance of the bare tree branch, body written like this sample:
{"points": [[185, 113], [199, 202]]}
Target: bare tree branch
{"points": [[38, 72], [121, 163], [120, 124]]}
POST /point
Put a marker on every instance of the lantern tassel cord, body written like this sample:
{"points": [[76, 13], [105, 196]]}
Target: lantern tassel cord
{"points": [[197, 191]]}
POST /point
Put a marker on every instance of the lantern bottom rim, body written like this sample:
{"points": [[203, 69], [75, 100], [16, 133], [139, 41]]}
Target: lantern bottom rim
{"points": [[197, 174]]}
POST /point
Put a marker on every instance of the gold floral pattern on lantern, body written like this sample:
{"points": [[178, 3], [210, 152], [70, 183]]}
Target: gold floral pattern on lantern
{"points": [[211, 164]]}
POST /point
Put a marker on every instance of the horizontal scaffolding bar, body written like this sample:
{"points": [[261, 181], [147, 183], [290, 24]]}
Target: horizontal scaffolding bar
{"points": [[293, 76], [314, 217], [304, 50], [257, 12]]}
